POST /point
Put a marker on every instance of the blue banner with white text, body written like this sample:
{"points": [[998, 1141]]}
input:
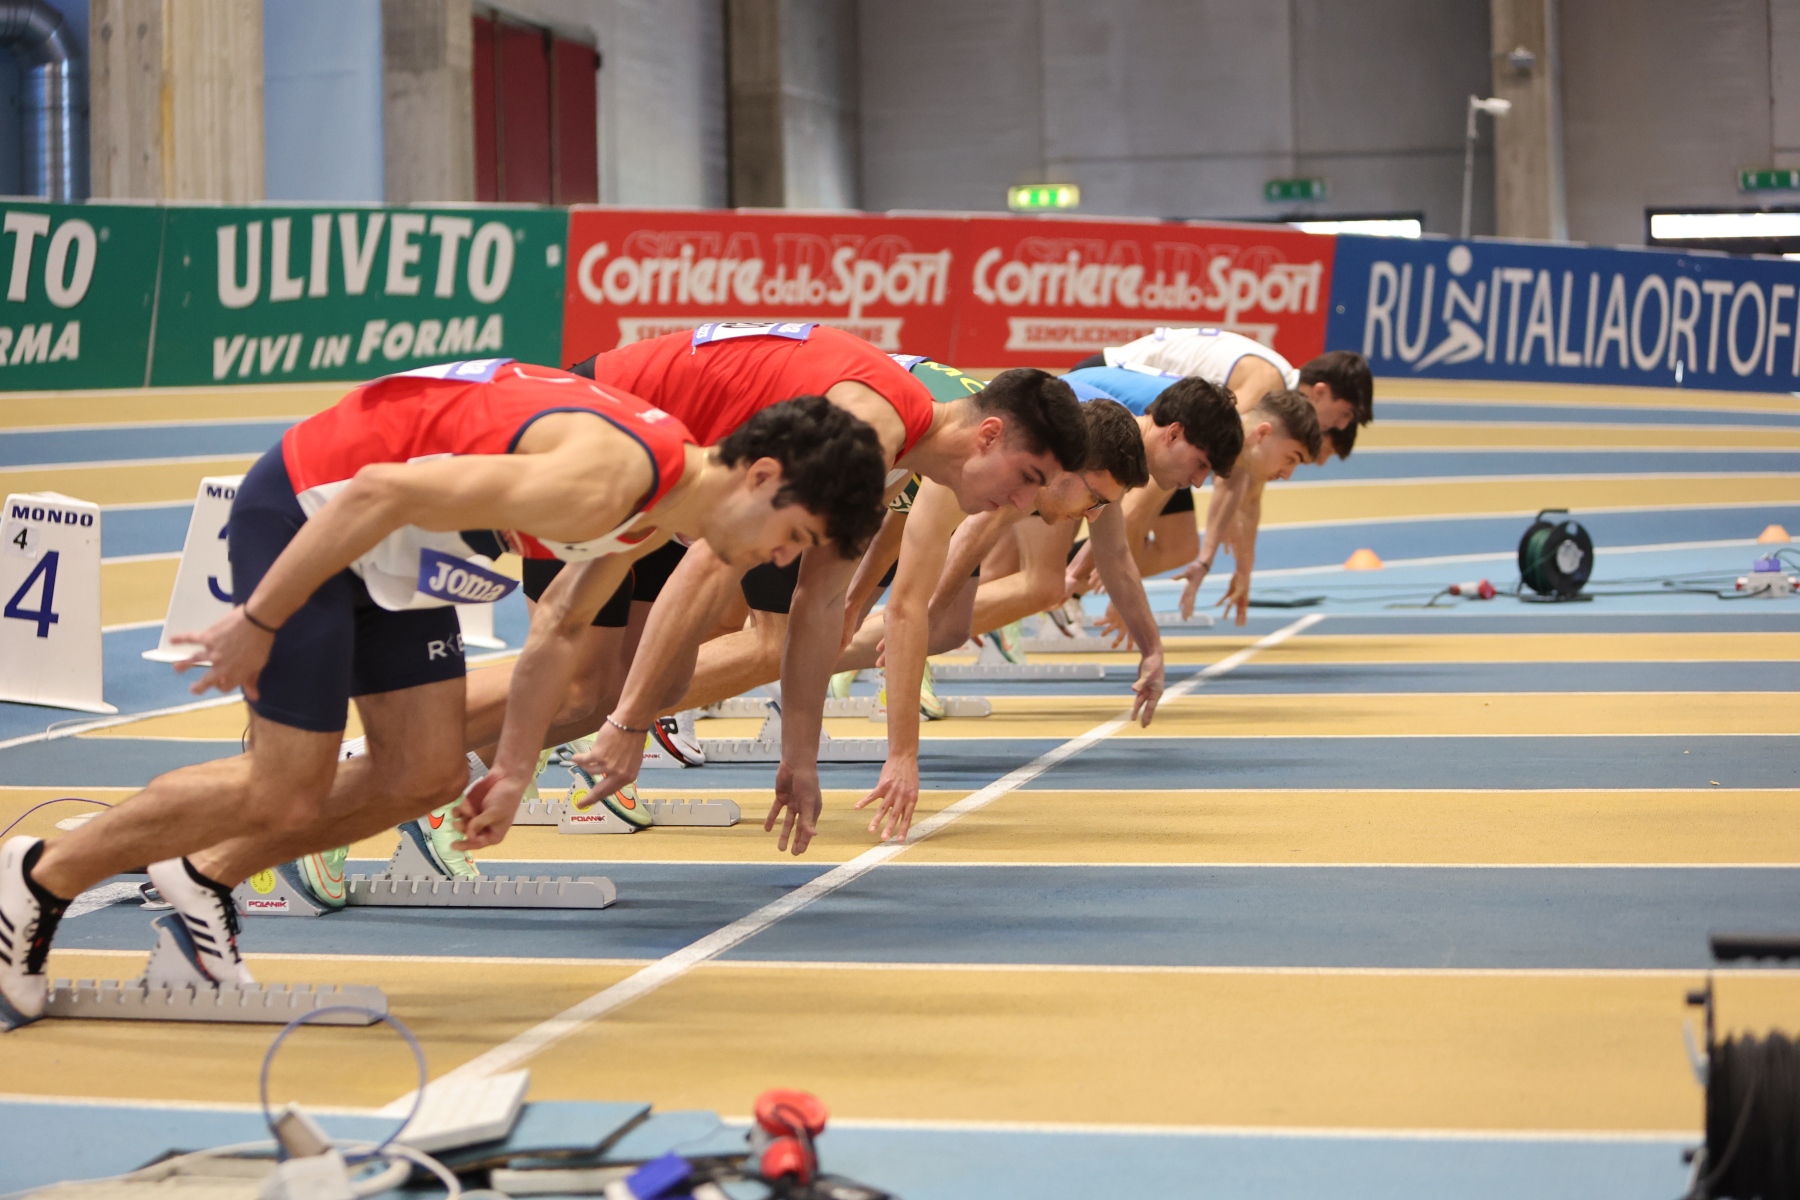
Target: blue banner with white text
{"points": [[1446, 309]]}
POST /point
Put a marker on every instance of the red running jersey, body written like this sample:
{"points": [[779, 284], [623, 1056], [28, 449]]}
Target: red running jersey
{"points": [[720, 376]]}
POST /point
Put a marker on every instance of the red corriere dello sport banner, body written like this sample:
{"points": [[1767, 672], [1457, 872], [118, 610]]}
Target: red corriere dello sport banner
{"points": [[972, 291]]}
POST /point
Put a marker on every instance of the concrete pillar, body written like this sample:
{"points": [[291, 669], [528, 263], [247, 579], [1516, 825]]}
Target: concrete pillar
{"points": [[1528, 175], [1784, 83], [428, 110], [793, 103], [176, 99]]}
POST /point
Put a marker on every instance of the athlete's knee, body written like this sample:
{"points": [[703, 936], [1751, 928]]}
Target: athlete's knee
{"points": [[582, 701], [435, 783]]}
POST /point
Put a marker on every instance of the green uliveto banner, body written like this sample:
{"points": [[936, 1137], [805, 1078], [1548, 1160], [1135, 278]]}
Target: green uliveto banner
{"points": [[80, 288], [287, 295]]}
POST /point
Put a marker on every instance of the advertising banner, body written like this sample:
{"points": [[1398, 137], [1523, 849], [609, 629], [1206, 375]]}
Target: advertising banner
{"points": [[275, 294], [638, 274], [974, 291], [80, 292], [1049, 293], [1440, 308]]}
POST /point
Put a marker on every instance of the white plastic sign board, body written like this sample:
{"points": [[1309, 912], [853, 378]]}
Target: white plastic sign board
{"points": [[50, 602], [203, 581], [477, 621]]}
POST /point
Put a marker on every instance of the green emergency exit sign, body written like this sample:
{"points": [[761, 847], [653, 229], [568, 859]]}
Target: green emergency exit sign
{"points": [[1035, 196], [1284, 191], [1769, 180]]}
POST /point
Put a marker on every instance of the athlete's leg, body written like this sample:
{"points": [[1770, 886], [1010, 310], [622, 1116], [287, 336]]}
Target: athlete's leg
{"points": [[1039, 583], [414, 764]]}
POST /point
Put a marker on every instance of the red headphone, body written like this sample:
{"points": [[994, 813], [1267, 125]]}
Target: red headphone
{"points": [[793, 1119]]}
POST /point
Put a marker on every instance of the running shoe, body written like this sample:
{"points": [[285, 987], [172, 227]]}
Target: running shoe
{"points": [[930, 707], [208, 914], [679, 744], [623, 804], [1007, 639], [28, 917], [840, 684], [437, 833], [1068, 617], [322, 875]]}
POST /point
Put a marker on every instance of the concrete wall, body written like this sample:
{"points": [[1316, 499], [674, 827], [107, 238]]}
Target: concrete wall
{"points": [[322, 100], [1172, 107], [1664, 102], [661, 94]]}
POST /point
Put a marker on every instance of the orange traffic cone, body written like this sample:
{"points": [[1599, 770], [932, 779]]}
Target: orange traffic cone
{"points": [[1774, 533], [1363, 560]]}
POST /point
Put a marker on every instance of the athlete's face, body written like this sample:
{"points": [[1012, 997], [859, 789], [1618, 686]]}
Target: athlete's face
{"points": [[748, 529], [999, 474], [1334, 411], [1174, 461], [1075, 494], [1270, 453]]}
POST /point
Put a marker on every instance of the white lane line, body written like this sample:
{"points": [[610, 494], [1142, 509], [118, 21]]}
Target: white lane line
{"points": [[1268, 1131], [1545, 477], [159, 556], [206, 423], [169, 461], [97, 898], [128, 626], [534, 1041]]}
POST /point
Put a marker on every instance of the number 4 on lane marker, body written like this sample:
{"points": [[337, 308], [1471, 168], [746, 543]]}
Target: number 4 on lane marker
{"points": [[50, 622]]}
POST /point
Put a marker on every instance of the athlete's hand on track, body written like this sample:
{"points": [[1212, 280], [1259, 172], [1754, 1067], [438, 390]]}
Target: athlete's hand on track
{"points": [[1112, 625], [1149, 689], [237, 650], [1195, 573], [487, 810], [898, 791], [1237, 597], [798, 793], [613, 760]]}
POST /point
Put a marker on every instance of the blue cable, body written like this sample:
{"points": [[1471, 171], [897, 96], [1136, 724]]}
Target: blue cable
{"points": [[262, 1083], [47, 804]]}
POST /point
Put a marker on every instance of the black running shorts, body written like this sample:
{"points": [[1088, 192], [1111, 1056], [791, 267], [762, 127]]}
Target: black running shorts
{"points": [[340, 643], [613, 614], [1181, 501], [769, 588]]}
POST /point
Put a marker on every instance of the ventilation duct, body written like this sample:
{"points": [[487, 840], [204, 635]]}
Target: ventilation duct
{"points": [[55, 98]]}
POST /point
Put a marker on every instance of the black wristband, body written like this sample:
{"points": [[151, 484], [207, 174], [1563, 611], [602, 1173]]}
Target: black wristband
{"points": [[245, 609]]}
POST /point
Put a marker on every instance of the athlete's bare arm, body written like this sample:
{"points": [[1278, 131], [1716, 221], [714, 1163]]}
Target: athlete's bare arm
{"points": [[815, 635], [1243, 551], [1141, 508], [923, 550], [540, 681], [1112, 558], [861, 400], [1252, 378], [1221, 511], [548, 486]]}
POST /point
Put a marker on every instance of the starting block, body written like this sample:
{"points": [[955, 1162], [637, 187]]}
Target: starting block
{"points": [[173, 988], [991, 664], [708, 814], [848, 706], [413, 881], [765, 747]]}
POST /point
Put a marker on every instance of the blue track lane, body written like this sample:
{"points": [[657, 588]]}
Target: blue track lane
{"points": [[1579, 414], [28, 447], [1581, 463]]}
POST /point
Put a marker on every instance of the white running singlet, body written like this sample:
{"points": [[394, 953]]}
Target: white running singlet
{"points": [[1212, 354]]}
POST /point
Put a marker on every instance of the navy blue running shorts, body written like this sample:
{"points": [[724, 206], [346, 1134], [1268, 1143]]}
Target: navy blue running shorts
{"points": [[340, 643], [614, 614]]}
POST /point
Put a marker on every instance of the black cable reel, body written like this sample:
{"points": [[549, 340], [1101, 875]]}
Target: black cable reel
{"points": [[1556, 557]]}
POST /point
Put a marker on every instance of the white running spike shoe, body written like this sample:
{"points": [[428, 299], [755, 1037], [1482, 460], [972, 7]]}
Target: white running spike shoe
{"points": [[678, 743], [207, 910], [27, 923]]}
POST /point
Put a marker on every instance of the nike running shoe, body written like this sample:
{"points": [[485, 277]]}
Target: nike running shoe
{"points": [[1006, 640], [437, 832], [623, 804], [930, 707], [28, 917], [840, 684], [322, 875], [678, 744], [208, 914]]}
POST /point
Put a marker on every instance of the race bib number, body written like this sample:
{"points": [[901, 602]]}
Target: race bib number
{"points": [[908, 361], [459, 581], [724, 331], [474, 370]]}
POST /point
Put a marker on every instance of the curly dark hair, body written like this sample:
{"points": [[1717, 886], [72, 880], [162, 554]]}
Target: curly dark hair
{"points": [[1346, 373], [1208, 418], [831, 465], [1040, 411], [1115, 443]]}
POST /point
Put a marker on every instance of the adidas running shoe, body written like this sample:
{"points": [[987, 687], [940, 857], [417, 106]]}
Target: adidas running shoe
{"points": [[28, 917], [209, 915], [1007, 639], [679, 744], [322, 875]]}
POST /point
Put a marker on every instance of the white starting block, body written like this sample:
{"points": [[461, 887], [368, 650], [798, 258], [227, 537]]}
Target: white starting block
{"points": [[707, 814], [413, 881], [477, 623], [765, 747], [847, 706], [50, 649], [173, 988], [991, 664], [203, 579]]}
